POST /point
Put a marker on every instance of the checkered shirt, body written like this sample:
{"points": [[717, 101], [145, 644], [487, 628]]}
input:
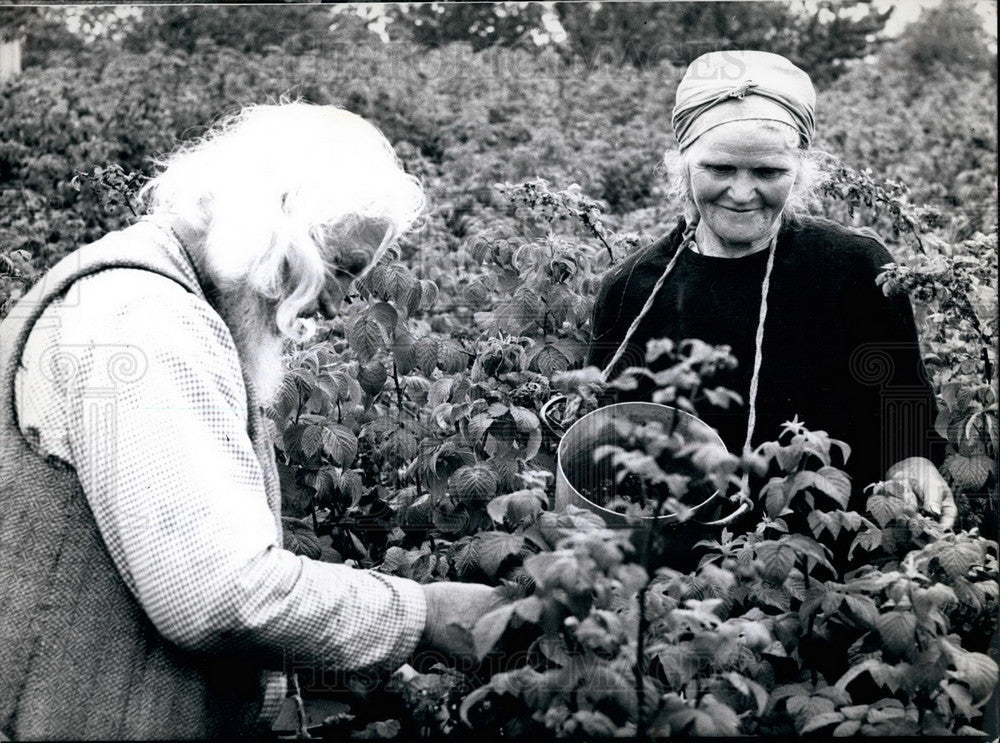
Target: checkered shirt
{"points": [[134, 383]]}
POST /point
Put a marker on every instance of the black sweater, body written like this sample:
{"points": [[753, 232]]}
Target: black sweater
{"points": [[836, 351]]}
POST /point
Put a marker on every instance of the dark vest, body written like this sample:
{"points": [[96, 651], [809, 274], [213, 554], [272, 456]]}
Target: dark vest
{"points": [[78, 656]]}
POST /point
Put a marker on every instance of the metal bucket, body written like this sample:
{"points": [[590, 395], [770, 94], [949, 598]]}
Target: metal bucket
{"points": [[577, 472]]}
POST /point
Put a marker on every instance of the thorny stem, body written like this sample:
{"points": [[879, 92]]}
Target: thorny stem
{"points": [[640, 643], [399, 390]]}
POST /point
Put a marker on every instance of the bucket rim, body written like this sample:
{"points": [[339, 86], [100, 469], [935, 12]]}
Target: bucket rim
{"points": [[601, 510]]}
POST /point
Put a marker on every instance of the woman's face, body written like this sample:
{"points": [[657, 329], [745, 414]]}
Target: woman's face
{"points": [[741, 175]]}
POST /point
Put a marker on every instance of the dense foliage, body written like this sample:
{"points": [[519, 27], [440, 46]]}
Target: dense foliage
{"points": [[410, 434]]}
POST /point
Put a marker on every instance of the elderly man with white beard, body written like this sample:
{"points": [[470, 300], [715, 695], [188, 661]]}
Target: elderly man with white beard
{"points": [[144, 589]]}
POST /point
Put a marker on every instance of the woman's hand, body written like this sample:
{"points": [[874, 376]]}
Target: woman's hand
{"points": [[452, 611], [935, 495]]}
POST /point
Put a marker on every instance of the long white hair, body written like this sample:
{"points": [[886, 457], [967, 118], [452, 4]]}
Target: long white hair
{"points": [[269, 186]]}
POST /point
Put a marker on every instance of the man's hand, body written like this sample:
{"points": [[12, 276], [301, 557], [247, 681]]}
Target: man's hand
{"points": [[928, 484], [452, 611]]}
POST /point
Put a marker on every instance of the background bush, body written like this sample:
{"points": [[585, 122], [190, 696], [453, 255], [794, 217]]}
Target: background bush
{"points": [[409, 436]]}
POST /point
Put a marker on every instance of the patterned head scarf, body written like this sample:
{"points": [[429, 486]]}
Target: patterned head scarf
{"points": [[720, 87]]}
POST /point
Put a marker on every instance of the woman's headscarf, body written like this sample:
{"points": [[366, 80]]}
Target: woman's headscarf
{"points": [[720, 87]]}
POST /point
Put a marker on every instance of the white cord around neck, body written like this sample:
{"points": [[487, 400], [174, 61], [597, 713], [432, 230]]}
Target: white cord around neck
{"points": [[758, 356]]}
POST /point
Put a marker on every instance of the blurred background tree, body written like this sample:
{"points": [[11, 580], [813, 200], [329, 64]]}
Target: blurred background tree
{"points": [[822, 37]]}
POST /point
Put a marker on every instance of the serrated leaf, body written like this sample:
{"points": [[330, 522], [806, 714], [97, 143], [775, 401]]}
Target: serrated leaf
{"points": [[465, 555], [396, 562], [372, 377], [836, 484], [340, 444], [883, 509], [864, 609], [495, 547], [957, 556], [366, 336], [525, 420], [516, 508], [400, 447], [299, 538], [428, 293], [451, 357], [440, 391], [818, 722], [549, 360], [969, 472], [977, 670], [425, 354], [398, 283], [311, 440], [402, 352], [450, 521], [385, 315], [475, 482], [897, 630], [847, 728]]}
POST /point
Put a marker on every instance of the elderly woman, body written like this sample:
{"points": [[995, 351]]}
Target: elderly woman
{"points": [[160, 603], [795, 297]]}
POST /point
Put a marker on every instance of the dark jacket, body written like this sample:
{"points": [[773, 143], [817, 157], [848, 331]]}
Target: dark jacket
{"points": [[837, 352]]}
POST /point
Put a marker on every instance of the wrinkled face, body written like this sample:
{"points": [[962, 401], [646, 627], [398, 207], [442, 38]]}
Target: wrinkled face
{"points": [[741, 176], [351, 253]]}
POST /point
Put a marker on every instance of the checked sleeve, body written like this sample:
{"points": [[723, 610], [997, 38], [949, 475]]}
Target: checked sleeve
{"points": [[162, 453]]}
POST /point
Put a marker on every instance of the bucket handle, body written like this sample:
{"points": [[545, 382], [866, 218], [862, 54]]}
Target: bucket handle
{"points": [[554, 425], [744, 507]]}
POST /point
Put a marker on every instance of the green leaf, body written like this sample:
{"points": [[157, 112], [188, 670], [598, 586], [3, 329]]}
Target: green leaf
{"points": [[864, 609], [425, 354], [465, 555], [451, 357], [489, 628], [399, 448], [818, 722], [372, 377], [495, 547], [847, 728], [300, 539], [549, 361], [956, 556], [311, 440], [516, 508], [450, 521], [366, 336], [898, 631], [340, 444], [476, 482], [883, 509], [969, 472], [977, 670], [385, 315]]}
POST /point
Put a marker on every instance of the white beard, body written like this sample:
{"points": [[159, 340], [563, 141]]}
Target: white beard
{"points": [[258, 342]]}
